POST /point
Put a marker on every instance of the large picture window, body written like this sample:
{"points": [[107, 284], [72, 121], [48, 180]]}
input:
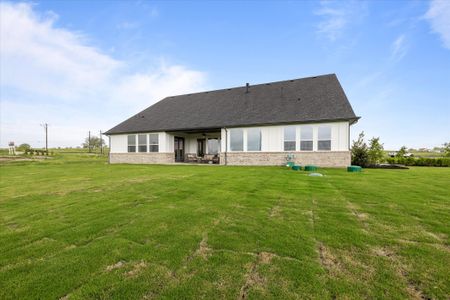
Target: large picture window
{"points": [[324, 138], [154, 142], [132, 143], [253, 139], [142, 143], [306, 138], [289, 138], [213, 146], [236, 140]]}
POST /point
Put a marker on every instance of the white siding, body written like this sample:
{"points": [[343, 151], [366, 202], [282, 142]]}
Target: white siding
{"points": [[119, 143], [272, 137], [165, 142]]}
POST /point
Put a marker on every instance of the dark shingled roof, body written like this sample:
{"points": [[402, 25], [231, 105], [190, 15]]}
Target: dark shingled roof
{"points": [[312, 99]]}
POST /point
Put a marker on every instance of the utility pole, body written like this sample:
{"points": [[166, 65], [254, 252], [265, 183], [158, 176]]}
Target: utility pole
{"points": [[101, 143], [89, 142], [45, 125]]}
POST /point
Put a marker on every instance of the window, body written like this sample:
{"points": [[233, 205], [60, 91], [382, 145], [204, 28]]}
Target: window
{"points": [[236, 140], [142, 143], [306, 138], [254, 139], [324, 138], [213, 146], [289, 138], [154, 142], [132, 143]]}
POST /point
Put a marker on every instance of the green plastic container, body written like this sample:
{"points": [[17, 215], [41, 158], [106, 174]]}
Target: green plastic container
{"points": [[354, 169], [296, 168], [310, 168], [290, 164]]}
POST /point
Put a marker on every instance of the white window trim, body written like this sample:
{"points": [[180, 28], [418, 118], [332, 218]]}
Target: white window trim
{"points": [[306, 140], [246, 139], [295, 137], [148, 137], [331, 138], [135, 143], [244, 146]]}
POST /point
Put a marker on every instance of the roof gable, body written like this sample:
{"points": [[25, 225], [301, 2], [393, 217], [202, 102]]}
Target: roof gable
{"points": [[311, 99]]}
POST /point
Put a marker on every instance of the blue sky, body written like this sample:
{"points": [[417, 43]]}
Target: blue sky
{"points": [[88, 65]]}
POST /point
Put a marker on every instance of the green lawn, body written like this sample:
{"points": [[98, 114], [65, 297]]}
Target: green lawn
{"points": [[76, 227]]}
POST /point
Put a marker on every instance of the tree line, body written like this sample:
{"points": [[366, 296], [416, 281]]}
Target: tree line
{"points": [[372, 154]]}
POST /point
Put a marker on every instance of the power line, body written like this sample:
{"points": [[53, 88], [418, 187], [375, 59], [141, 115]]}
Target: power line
{"points": [[45, 125]]}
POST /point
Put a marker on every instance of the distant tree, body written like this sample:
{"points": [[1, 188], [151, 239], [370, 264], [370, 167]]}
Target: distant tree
{"points": [[401, 152], [23, 147], [447, 149], [94, 142], [360, 152], [376, 151]]}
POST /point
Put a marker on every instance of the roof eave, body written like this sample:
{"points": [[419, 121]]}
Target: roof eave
{"points": [[351, 120]]}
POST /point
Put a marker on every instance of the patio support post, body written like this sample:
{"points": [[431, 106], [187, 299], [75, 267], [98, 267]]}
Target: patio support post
{"points": [[226, 144]]}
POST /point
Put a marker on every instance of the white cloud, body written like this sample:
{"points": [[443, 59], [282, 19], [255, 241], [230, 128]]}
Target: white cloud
{"points": [[399, 48], [51, 74], [128, 25], [439, 17], [337, 16]]}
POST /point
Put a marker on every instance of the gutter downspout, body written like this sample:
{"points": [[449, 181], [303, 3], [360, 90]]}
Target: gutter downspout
{"points": [[226, 144]]}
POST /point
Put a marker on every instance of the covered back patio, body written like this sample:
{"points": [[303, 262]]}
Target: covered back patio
{"points": [[197, 146]]}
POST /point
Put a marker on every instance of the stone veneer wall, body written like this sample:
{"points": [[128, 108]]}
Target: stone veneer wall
{"points": [[321, 159], [142, 158]]}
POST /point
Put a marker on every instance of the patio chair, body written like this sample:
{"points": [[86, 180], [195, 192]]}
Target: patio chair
{"points": [[191, 157], [208, 158]]}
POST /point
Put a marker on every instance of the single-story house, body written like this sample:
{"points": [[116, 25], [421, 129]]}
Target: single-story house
{"points": [[304, 120]]}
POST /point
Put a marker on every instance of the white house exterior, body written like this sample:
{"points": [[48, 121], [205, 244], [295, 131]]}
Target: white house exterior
{"points": [[287, 133]]}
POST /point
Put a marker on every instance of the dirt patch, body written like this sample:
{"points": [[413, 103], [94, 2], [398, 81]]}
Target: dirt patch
{"points": [[362, 216], [12, 226], [237, 205], [137, 268], [221, 219], [328, 260], [65, 297], [355, 211], [275, 212], [139, 180], [117, 265], [412, 288], [439, 237], [252, 279], [71, 246], [203, 249], [383, 251], [265, 257]]}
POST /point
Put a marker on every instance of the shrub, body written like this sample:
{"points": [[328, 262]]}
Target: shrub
{"points": [[376, 151], [360, 155], [24, 147], [422, 161], [447, 149]]}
